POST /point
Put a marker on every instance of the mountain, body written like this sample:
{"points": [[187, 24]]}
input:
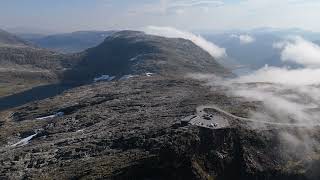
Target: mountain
{"points": [[121, 56], [68, 42], [23, 66], [7, 39], [136, 53]]}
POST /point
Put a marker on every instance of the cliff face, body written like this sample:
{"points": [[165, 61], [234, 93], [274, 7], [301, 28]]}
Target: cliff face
{"points": [[132, 129]]}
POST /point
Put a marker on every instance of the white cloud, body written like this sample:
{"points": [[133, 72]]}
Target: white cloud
{"points": [[169, 32], [244, 38], [303, 76], [282, 96], [301, 51]]}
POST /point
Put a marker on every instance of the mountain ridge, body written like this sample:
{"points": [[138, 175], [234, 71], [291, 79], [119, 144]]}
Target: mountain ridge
{"points": [[73, 42], [7, 39]]}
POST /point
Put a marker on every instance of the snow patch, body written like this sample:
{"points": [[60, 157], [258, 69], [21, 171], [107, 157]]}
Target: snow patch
{"points": [[149, 74], [134, 58], [139, 56], [58, 114], [104, 78], [24, 141], [126, 77]]}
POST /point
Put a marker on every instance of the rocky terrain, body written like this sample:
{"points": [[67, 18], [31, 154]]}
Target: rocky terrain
{"points": [[24, 66], [132, 129]]}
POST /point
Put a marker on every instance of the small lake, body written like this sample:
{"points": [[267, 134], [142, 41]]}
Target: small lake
{"points": [[34, 94]]}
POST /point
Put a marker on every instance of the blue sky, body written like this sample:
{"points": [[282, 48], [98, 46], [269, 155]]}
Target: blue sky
{"points": [[71, 15]]}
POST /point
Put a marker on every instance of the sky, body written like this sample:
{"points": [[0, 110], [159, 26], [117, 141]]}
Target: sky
{"points": [[72, 15]]}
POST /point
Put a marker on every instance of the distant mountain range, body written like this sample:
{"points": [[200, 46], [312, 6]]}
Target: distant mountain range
{"points": [[7, 39], [260, 51], [255, 54], [68, 42]]}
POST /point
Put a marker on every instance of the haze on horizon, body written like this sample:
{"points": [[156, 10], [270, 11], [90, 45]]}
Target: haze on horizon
{"points": [[73, 15]]}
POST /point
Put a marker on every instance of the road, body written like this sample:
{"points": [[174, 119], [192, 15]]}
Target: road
{"points": [[221, 120]]}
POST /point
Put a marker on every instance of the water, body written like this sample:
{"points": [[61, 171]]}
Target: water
{"points": [[34, 94]]}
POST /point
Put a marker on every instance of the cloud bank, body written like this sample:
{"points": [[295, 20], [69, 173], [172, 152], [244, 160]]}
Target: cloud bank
{"points": [[290, 95], [283, 95], [286, 76], [298, 50], [169, 32]]}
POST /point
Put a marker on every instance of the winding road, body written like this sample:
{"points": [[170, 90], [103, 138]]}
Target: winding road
{"points": [[198, 119]]}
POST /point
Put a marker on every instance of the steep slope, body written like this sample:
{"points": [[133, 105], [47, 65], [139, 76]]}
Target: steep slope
{"points": [[69, 42], [135, 53], [7, 39]]}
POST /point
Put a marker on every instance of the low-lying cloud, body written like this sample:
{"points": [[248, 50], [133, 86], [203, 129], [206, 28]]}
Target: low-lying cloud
{"points": [[290, 95], [169, 32], [244, 38], [286, 76], [283, 95], [298, 50]]}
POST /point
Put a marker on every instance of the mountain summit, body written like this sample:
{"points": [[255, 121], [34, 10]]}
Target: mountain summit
{"points": [[134, 53]]}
